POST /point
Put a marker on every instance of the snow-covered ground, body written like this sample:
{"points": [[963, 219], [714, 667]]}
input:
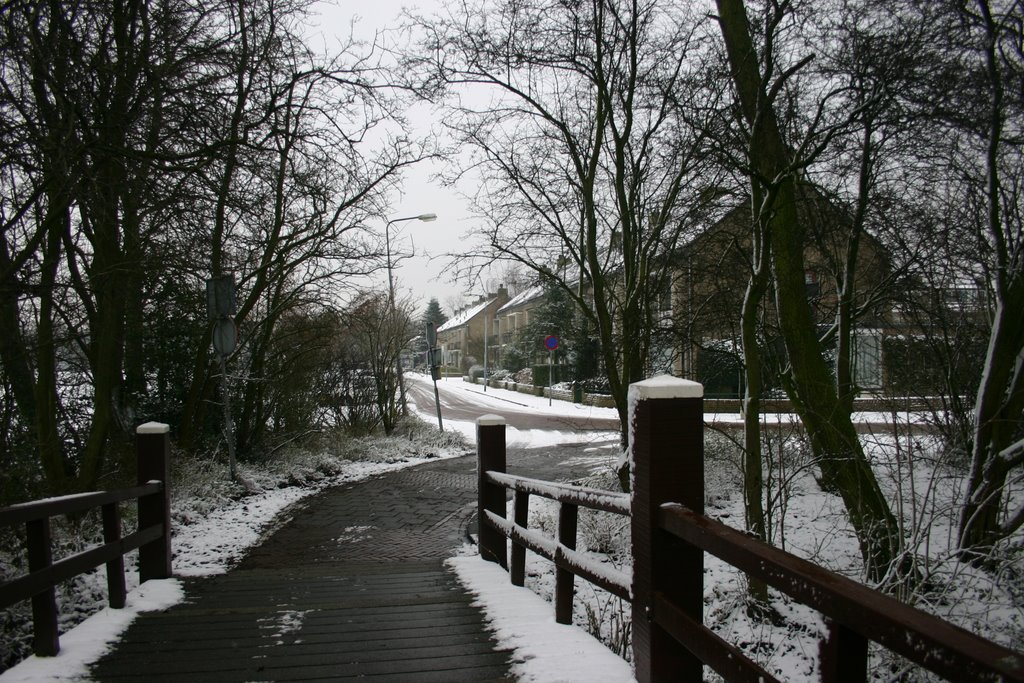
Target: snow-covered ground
{"points": [[211, 538], [802, 519], [505, 401]]}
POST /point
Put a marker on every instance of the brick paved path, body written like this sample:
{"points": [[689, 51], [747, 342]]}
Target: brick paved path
{"points": [[352, 586]]}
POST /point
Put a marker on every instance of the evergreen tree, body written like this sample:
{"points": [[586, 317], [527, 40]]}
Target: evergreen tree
{"points": [[434, 314]]}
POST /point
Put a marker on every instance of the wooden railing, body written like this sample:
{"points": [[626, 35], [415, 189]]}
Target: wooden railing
{"points": [[152, 539], [569, 563], [670, 535]]}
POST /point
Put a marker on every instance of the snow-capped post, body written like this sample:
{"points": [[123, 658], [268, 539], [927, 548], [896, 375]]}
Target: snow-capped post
{"points": [[153, 462], [667, 443], [490, 456]]}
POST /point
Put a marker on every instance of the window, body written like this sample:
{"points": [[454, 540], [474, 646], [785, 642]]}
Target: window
{"points": [[867, 359]]}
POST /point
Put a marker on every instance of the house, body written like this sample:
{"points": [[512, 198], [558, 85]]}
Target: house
{"points": [[709, 284], [463, 337], [512, 320], [696, 319]]}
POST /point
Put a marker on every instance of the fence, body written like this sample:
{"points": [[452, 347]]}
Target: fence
{"points": [[152, 538], [491, 506], [670, 535]]}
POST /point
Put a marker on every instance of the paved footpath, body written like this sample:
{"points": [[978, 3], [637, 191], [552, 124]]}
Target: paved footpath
{"points": [[352, 586]]}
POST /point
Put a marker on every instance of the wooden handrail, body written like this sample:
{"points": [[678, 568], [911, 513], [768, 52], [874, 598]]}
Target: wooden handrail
{"points": [[30, 585], [670, 535], [495, 528], [152, 538], [612, 580], [594, 499], [925, 639], [71, 504]]}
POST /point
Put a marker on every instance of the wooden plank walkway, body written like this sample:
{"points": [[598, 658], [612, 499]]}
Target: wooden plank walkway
{"points": [[353, 586]]}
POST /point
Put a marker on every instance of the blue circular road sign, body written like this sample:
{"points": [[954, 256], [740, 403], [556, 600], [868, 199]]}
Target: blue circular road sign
{"points": [[551, 342]]}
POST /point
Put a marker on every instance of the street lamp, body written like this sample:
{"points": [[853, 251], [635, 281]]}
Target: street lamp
{"points": [[426, 218]]}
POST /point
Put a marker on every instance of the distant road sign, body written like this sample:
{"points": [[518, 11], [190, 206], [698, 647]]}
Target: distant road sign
{"points": [[551, 342], [225, 336], [221, 300]]}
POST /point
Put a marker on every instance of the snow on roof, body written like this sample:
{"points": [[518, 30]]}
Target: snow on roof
{"points": [[464, 316], [522, 297]]}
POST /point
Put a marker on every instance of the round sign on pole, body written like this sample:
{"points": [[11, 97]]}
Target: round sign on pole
{"points": [[551, 342], [225, 336]]}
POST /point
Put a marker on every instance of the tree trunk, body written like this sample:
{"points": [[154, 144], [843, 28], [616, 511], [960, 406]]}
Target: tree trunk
{"points": [[997, 412], [47, 403], [1000, 398], [753, 476], [834, 441]]}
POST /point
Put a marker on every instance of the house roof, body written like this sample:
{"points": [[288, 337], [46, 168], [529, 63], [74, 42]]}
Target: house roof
{"points": [[522, 297], [464, 316]]}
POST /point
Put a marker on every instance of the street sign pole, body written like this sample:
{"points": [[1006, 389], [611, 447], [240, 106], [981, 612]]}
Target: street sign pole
{"points": [[221, 305], [551, 343], [433, 354]]}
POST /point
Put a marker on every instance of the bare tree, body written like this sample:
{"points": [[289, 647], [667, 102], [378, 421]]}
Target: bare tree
{"points": [[569, 114], [147, 146], [379, 330], [986, 40], [291, 189], [775, 166], [86, 89]]}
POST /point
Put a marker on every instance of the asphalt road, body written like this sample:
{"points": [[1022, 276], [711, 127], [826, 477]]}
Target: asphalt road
{"points": [[458, 405]]}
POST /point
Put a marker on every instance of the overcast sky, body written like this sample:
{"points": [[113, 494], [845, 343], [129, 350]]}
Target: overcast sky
{"points": [[427, 273]]}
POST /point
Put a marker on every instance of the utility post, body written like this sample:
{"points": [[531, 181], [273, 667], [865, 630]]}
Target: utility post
{"points": [[221, 305], [434, 356], [426, 218], [551, 343]]}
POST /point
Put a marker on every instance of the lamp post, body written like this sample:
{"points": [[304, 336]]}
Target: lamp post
{"points": [[426, 218]]}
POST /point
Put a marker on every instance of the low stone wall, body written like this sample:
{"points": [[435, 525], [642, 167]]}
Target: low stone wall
{"points": [[597, 400], [866, 404]]}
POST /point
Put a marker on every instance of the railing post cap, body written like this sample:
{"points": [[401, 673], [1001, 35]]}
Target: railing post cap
{"points": [[152, 428], [665, 386], [489, 420]]}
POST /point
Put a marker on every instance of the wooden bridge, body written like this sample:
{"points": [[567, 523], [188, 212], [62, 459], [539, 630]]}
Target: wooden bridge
{"points": [[358, 588]]}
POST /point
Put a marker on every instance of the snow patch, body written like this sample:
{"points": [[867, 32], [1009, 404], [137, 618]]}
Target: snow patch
{"points": [[90, 640], [525, 623]]}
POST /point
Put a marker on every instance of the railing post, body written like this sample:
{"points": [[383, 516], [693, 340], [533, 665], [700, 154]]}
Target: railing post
{"points": [[518, 552], [153, 462], [844, 655], [667, 465], [565, 580], [490, 456], [116, 590], [45, 636]]}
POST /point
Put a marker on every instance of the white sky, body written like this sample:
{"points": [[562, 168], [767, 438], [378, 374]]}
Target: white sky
{"points": [[428, 273]]}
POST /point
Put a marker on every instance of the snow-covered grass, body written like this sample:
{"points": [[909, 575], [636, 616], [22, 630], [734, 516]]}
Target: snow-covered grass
{"points": [[811, 524], [84, 644]]}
